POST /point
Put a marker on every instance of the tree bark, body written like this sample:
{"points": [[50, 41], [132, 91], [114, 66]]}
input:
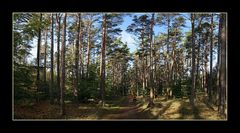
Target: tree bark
{"points": [[168, 65], [223, 66], [206, 64], [75, 91], [52, 47], [198, 61], [88, 48], [45, 57], [80, 53], [211, 54], [38, 55], [102, 66], [62, 111], [151, 64], [218, 62], [58, 56], [143, 63], [193, 62]]}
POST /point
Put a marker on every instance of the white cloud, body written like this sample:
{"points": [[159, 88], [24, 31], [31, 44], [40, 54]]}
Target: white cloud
{"points": [[126, 37]]}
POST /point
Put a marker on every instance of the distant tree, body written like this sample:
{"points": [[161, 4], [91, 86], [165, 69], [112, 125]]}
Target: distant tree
{"points": [[140, 28], [91, 19]]}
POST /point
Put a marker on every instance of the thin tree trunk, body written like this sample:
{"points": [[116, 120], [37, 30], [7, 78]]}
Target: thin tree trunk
{"points": [[75, 92], [88, 48], [193, 62], [155, 69], [211, 54], [62, 111], [146, 72], [45, 57], [173, 67], [198, 61], [83, 55], [80, 52], [206, 64], [143, 64], [203, 73], [218, 62], [168, 65], [102, 66], [58, 56], [38, 56], [52, 78], [136, 78], [198, 76], [151, 64]]}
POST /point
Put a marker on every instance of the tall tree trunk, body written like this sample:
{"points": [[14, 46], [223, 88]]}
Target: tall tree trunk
{"points": [[38, 55], [80, 52], [203, 72], [218, 62], [146, 72], [143, 64], [168, 65], [75, 92], [206, 64], [83, 56], [102, 66], [151, 64], [52, 48], [137, 76], [193, 62], [72, 61], [198, 63], [45, 57], [223, 66], [211, 54], [155, 69], [173, 66], [62, 111], [113, 77], [58, 56], [198, 76], [88, 48]]}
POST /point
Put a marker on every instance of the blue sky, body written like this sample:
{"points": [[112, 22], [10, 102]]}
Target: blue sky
{"points": [[125, 37]]}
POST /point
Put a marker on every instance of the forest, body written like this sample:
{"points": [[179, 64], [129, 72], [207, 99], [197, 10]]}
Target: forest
{"points": [[119, 66]]}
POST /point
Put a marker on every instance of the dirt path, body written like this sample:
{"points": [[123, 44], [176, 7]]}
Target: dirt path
{"points": [[163, 110]]}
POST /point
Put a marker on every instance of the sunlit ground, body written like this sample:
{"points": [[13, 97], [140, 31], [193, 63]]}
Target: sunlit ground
{"points": [[175, 109]]}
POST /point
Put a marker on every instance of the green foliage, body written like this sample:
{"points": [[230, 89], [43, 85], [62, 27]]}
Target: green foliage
{"points": [[22, 76], [24, 85], [88, 89], [92, 72], [177, 89], [23, 91], [186, 85]]}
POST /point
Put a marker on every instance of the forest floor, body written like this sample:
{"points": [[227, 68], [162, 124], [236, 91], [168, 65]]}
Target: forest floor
{"points": [[121, 109]]}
